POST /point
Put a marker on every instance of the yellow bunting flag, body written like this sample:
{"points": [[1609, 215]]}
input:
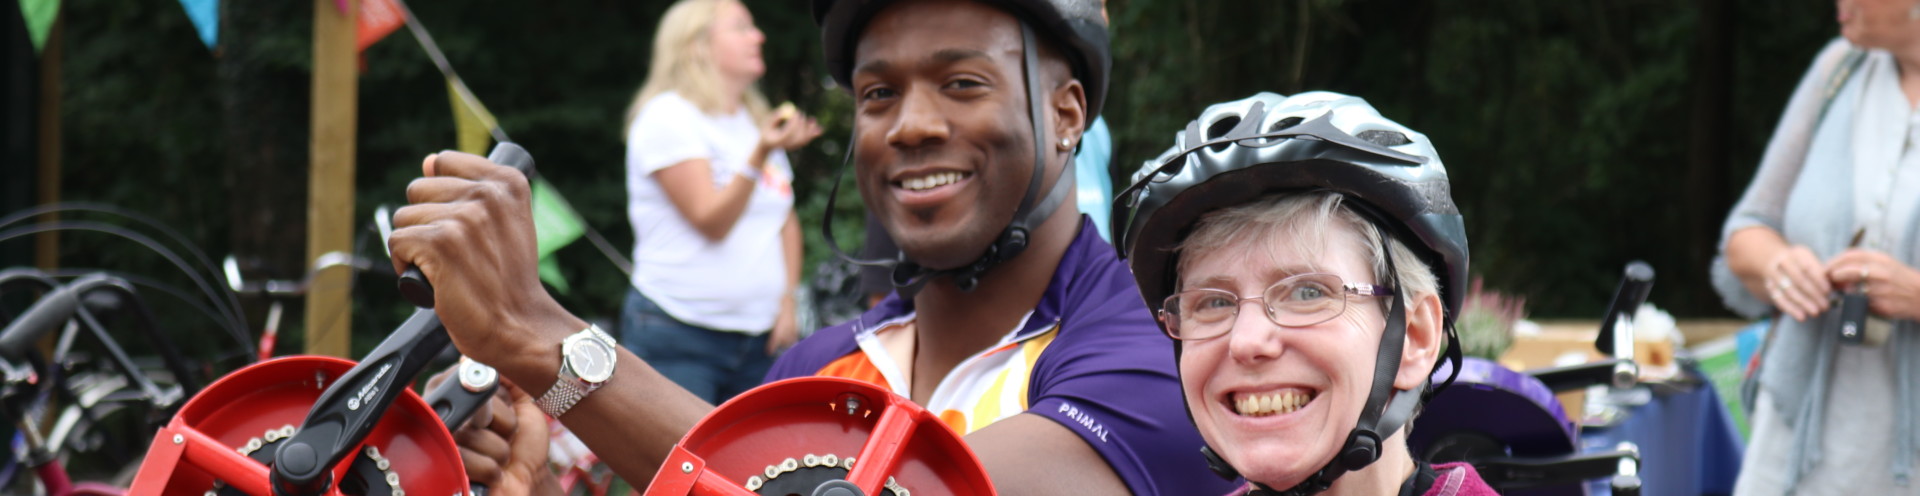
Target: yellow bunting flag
{"points": [[555, 224]]}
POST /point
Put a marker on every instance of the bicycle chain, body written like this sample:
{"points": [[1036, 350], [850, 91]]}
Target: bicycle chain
{"points": [[801, 476], [373, 469]]}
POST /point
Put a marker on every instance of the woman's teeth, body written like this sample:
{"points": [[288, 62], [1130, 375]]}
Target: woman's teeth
{"points": [[932, 181], [1261, 405]]}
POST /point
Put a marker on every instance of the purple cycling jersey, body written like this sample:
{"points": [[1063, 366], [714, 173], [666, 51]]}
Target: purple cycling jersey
{"points": [[1089, 356]]}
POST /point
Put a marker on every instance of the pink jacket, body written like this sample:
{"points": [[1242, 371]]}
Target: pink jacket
{"points": [[1450, 479]]}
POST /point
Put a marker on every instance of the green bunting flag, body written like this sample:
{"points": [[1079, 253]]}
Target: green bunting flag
{"points": [[555, 224], [39, 15]]}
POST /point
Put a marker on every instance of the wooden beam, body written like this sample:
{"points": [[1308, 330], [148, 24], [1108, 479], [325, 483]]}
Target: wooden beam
{"points": [[330, 180], [47, 244]]}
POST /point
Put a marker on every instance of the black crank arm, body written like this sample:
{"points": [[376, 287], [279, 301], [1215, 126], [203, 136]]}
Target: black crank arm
{"points": [[352, 405]]}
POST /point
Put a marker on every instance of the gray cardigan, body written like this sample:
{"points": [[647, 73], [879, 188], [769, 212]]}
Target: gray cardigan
{"points": [[1805, 189]]}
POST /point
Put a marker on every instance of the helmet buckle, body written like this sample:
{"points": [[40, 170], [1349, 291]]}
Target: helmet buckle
{"points": [[1363, 447]]}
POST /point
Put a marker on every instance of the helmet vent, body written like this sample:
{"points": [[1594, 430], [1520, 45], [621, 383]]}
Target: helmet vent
{"points": [[1220, 129], [1285, 123], [1384, 137]]}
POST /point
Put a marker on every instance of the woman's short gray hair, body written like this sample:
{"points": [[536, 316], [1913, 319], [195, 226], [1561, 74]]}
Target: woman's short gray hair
{"points": [[1306, 221]]}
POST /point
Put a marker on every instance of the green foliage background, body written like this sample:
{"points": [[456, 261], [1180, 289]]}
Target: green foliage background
{"points": [[1579, 134]]}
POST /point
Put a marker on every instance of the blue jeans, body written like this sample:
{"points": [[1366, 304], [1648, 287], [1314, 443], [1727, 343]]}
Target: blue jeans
{"points": [[714, 365]]}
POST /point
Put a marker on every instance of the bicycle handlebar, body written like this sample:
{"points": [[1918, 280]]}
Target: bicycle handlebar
{"points": [[49, 312], [413, 284], [1635, 283]]}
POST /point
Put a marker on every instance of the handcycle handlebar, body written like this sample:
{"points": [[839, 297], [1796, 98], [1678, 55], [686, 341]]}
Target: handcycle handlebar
{"points": [[343, 416], [1620, 467], [1635, 283], [1508, 425], [21, 276], [47, 314], [69, 302], [1574, 377], [413, 284]]}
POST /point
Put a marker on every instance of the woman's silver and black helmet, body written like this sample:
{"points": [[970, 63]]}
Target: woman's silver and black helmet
{"points": [[1241, 151]]}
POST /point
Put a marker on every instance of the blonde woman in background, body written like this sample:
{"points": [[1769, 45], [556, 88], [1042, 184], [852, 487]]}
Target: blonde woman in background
{"points": [[717, 248]]}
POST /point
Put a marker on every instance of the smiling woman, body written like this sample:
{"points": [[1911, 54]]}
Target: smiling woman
{"points": [[1339, 224], [709, 194]]}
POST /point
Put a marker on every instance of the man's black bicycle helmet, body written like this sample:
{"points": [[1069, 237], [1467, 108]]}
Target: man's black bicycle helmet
{"points": [[1240, 151], [1080, 29]]}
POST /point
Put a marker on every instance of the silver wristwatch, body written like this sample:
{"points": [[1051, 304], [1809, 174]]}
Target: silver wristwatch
{"points": [[586, 362]]}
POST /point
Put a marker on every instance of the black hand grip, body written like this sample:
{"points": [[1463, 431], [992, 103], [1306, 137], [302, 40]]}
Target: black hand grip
{"points": [[413, 283], [458, 397], [47, 314], [353, 404], [1635, 283]]}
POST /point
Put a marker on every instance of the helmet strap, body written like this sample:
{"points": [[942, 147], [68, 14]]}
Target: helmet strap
{"points": [[909, 277]]}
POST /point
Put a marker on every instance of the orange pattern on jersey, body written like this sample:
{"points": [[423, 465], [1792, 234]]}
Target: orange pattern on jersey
{"points": [[855, 366]]}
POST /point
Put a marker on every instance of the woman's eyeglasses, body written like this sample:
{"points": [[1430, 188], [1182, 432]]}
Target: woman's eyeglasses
{"points": [[1298, 301]]}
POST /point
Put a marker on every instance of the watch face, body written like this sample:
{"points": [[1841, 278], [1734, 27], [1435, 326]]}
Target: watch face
{"points": [[591, 359]]}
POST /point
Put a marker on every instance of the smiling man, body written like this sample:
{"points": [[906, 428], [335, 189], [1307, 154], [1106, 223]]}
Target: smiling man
{"points": [[1018, 326]]}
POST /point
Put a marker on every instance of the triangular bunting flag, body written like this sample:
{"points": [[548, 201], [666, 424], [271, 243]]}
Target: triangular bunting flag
{"points": [[205, 15], [473, 125], [39, 15], [554, 225], [378, 18]]}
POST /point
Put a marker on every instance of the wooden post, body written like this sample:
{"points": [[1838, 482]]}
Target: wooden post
{"points": [[47, 244], [330, 180]]}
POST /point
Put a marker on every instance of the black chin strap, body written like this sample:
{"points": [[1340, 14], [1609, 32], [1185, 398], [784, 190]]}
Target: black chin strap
{"points": [[909, 277], [1364, 443]]}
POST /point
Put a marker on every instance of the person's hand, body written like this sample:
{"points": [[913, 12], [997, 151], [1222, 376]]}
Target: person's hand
{"points": [[1797, 282], [470, 231], [1892, 288], [786, 132], [504, 445], [786, 329]]}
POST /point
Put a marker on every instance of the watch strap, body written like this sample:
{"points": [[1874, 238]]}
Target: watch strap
{"points": [[563, 395]]}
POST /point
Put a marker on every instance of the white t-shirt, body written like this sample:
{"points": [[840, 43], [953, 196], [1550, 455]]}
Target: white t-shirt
{"points": [[731, 285]]}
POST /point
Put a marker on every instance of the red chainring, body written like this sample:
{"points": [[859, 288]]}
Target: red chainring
{"points": [[890, 436], [201, 443]]}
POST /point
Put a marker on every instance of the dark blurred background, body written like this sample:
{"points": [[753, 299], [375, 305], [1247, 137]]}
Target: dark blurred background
{"points": [[1579, 134]]}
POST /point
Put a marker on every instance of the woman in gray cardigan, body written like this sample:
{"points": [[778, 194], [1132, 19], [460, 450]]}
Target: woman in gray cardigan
{"points": [[1835, 208]]}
